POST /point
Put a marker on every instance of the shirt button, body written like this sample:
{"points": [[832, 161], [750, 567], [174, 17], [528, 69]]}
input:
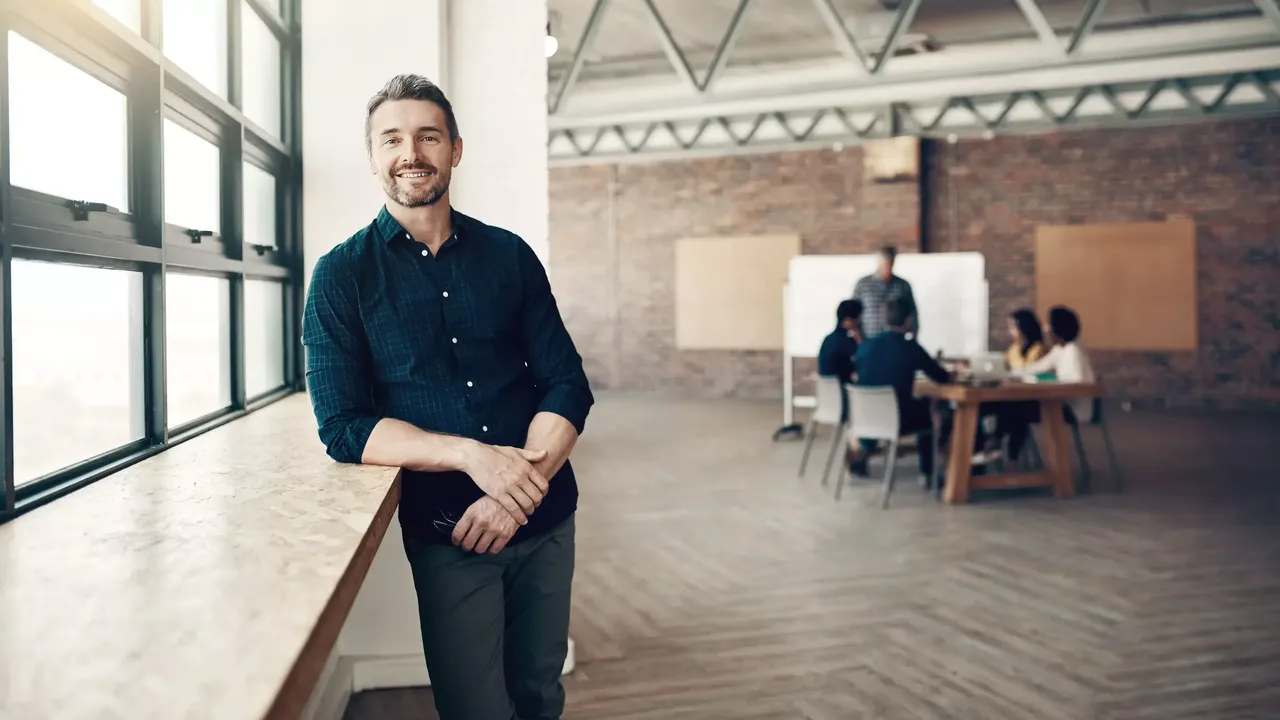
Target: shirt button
{"points": [[469, 384], [455, 341], [445, 293], [484, 428], [426, 253]]}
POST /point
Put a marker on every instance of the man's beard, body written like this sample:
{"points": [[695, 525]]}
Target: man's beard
{"points": [[418, 197]]}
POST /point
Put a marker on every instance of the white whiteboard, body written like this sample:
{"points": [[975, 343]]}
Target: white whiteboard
{"points": [[950, 291]]}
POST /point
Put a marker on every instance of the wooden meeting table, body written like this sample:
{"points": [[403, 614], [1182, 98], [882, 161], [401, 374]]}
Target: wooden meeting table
{"points": [[969, 397]]}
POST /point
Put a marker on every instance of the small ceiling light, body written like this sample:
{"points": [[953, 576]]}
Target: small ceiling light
{"points": [[550, 44]]}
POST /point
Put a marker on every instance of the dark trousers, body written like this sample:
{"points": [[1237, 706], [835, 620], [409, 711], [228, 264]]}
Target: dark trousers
{"points": [[1014, 420], [495, 628]]}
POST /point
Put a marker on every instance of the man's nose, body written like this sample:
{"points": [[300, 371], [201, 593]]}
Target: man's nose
{"points": [[409, 154]]}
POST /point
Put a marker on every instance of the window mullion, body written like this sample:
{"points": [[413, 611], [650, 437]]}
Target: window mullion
{"points": [[234, 64], [146, 130], [153, 22], [7, 498]]}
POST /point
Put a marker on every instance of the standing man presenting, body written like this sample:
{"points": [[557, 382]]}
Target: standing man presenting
{"points": [[878, 288], [434, 345]]}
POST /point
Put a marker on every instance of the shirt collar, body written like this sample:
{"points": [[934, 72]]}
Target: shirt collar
{"points": [[389, 228]]}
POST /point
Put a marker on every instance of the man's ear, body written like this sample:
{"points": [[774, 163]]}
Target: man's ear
{"points": [[457, 150]]}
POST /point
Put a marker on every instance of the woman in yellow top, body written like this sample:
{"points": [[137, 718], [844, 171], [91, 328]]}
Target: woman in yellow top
{"points": [[1013, 419], [1028, 339]]}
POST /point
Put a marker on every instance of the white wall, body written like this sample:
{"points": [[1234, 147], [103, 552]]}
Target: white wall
{"points": [[349, 50], [498, 86]]}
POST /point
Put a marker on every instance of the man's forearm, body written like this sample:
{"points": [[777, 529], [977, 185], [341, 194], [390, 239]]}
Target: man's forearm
{"points": [[554, 434], [399, 444]]}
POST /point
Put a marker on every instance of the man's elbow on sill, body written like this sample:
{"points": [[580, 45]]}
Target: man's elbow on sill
{"points": [[345, 441]]}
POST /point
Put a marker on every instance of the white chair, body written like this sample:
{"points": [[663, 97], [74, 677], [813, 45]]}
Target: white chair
{"points": [[873, 415], [827, 412]]}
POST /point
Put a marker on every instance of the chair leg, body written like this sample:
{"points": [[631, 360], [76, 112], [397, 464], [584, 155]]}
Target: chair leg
{"points": [[1086, 476], [831, 456], [808, 445], [890, 461], [1117, 478], [1032, 459]]}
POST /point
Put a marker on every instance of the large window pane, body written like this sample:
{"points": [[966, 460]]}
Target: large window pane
{"points": [[197, 346], [261, 71], [128, 12], [52, 146], [195, 38], [77, 364], [192, 190], [259, 206], [263, 336]]}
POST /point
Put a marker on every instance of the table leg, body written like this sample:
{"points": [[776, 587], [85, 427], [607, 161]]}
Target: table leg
{"points": [[960, 457], [1058, 455]]}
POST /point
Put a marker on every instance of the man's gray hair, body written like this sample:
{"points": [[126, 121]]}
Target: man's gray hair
{"points": [[409, 87]]}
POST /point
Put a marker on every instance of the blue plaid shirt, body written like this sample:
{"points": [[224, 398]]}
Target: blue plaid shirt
{"points": [[468, 342], [874, 293]]}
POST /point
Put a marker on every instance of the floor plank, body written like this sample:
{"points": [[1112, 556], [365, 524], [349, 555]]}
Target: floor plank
{"points": [[713, 583]]}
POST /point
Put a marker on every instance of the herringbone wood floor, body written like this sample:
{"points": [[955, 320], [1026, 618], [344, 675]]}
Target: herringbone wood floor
{"points": [[712, 583]]}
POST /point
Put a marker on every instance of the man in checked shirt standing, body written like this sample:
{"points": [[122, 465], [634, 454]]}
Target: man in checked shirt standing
{"points": [[874, 291], [434, 345]]}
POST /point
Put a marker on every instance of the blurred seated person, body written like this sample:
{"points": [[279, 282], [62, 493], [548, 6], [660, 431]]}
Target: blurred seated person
{"points": [[1027, 344], [1013, 419], [1066, 359], [890, 359], [836, 357]]}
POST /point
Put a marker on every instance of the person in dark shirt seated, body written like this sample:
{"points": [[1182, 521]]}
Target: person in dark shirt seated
{"points": [[890, 359], [836, 356]]}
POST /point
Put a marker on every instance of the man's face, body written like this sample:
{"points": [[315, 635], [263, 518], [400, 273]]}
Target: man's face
{"points": [[411, 151], [886, 267]]}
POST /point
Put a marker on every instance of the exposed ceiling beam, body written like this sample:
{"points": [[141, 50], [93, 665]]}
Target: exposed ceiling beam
{"points": [[1040, 24], [1092, 12], [944, 117], [964, 82], [1271, 9], [901, 22], [727, 42], [585, 43], [844, 39], [679, 62]]}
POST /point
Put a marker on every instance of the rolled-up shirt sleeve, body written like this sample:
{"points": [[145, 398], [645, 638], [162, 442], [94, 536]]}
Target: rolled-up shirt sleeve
{"points": [[337, 361], [555, 362]]}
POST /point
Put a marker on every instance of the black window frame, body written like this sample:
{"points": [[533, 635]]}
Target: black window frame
{"points": [[45, 227]]}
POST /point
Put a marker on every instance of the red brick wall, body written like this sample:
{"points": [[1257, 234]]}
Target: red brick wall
{"points": [[989, 196], [613, 233], [613, 230]]}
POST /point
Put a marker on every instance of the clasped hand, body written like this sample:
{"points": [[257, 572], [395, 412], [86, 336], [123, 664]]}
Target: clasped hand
{"points": [[513, 490]]}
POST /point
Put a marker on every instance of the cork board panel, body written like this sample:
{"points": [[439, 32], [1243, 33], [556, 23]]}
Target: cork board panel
{"points": [[1133, 284], [729, 291]]}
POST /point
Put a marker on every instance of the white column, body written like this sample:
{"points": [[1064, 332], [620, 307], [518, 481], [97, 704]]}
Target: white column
{"points": [[349, 50], [497, 82]]}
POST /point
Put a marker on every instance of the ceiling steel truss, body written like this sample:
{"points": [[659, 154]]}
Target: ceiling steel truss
{"points": [[861, 64], [1166, 100]]}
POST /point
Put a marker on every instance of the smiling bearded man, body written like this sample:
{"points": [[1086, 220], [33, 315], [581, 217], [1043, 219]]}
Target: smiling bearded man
{"points": [[434, 345]]}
